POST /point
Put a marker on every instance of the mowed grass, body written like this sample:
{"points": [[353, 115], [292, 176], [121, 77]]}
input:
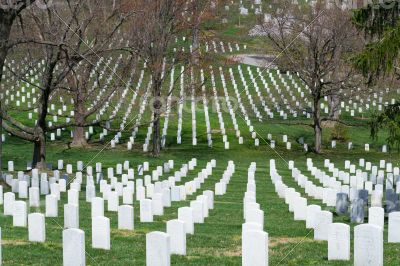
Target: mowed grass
{"points": [[218, 240]]}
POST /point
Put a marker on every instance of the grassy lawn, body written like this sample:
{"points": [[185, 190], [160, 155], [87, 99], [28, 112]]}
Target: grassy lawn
{"points": [[218, 240]]}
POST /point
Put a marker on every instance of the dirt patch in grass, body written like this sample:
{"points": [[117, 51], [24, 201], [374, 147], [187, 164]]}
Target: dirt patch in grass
{"points": [[125, 233], [14, 242], [277, 241], [215, 252]]}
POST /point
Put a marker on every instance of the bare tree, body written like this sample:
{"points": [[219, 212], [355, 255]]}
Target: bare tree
{"points": [[156, 29], [315, 40], [60, 36], [9, 11], [90, 92]]}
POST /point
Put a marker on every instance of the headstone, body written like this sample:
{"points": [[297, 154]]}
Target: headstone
{"points": [[34, 198], [392, 201], [312, 210], [254, 248], [210, 196], [101, 232], [322, 221], [176, 231], [357, 211], [158, 251], [9, 200], [342, 203], [368, 245], [51, 206], [125, 217], [71, 216], [20, 214], [300, 209], [74, 247], [376, 216], [185, 214], [339, 241], [23, 189], [97, 207], [157, 204], [394, 227], [198, 213], [113, 201], [146, 214], [36, 227]]}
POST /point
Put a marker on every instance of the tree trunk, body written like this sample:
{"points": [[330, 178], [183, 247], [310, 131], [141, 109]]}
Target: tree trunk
{"points": [[156, 134], [157, 113], [79, 139], [317, 127], [39, 150], [196, 33], [5, 28], [334, 103], [196, 47]]}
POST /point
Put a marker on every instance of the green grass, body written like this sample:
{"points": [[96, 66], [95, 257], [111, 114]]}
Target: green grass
{"points": [[218, 240]]}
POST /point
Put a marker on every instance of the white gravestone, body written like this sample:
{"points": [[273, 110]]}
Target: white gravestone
{"points": [[322, 221], [20, 214], [51, 206], [185, 214], [394, 227], [113, 201], [71, 216], [34, 197], [36, 227], [9, 200], [74, 247], [125, 217], [312, 210], [158, 251], [368, 245], [339, 241], [101, 232], [254, 248], [146, 214], [177, 233], [376, 216]]}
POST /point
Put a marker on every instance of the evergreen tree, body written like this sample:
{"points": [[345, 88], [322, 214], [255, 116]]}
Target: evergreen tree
{"points": [[380, 22]]}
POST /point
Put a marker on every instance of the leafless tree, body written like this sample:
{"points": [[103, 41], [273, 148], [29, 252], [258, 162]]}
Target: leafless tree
{"points": [[315, 40], [64, 36], [160, 23], [90, 92], [9, 11]]}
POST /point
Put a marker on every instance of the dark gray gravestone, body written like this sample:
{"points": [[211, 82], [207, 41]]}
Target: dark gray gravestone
{"points": [[363, 194], [301, 141], [49, 166], [392, 201], [29, 165], [342, 203], [357, 211], [396, 178]]}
